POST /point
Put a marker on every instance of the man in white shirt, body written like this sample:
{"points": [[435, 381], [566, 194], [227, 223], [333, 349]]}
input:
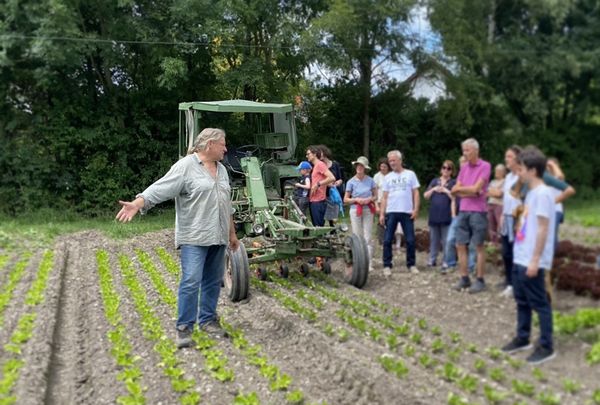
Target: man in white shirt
{"points": [[400, 204]]}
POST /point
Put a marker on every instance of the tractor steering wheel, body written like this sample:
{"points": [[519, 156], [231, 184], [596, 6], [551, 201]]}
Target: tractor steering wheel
{"points": [[249, 149]]}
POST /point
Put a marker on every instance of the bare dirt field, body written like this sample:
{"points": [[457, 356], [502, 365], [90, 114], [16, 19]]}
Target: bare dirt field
{"points": [[91, 321]]}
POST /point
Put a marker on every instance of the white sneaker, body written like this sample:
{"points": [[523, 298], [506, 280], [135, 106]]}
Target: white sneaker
{"points": [[413, 270], [387, 271], [508, 292]]}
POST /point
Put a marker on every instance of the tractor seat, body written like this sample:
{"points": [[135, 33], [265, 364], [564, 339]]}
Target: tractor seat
{"points": [[231, 160]]}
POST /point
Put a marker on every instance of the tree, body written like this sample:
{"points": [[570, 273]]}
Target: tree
{"points": [[357, 37]]}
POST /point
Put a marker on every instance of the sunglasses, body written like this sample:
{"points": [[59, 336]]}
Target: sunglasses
{"points": [[446, 168]]}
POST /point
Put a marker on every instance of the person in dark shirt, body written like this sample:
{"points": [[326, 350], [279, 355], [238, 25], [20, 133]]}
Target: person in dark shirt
{"points": [[440, 210]]}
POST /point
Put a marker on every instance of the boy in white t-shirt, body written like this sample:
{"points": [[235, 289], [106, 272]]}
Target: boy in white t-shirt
{"points": [[532, 256]]}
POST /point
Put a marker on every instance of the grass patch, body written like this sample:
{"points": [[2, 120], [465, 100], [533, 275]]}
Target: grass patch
{"points": [[584, 210], [45, 225]]}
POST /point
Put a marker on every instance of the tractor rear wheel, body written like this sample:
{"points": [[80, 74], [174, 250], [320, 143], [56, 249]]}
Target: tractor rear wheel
{"points": [[237, 274], [357, 268]]}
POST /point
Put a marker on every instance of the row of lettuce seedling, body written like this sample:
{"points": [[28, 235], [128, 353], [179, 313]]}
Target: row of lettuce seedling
{"points": [[278, 381], [14, 276], [23, 332], [583, 319], [152, 329], [121, 348]]}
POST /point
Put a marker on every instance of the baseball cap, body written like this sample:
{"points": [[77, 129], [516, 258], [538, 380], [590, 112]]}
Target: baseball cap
{"points": [[304, 165]]}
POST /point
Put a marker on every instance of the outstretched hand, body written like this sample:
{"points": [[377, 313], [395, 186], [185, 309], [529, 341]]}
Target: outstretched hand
{"points": [[127, 212]]}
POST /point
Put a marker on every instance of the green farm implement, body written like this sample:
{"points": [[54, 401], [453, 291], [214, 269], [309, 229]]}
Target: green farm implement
{"points": [[267, 220]]}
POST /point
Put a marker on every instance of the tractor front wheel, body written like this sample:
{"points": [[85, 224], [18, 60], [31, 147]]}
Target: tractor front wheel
{"points": [[357, 264], [237, 274]]}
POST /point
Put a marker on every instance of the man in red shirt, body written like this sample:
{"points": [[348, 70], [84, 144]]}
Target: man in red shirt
{"points": [[320, 177]]}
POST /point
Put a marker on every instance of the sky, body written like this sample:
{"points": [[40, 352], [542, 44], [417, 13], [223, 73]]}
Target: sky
{"points": [[418, 28]]}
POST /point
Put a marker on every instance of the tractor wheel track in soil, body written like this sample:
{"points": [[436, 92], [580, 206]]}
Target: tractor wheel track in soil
{"points": [[69, 369]]}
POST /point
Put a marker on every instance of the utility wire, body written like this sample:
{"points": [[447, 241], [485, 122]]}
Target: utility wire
{"points": [[427, 42]]}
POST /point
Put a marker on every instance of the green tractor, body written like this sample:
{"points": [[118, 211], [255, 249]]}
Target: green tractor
{"points": [[268, 222]]}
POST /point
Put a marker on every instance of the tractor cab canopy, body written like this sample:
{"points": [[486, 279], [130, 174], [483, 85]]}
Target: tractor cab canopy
{"points": [[272, 125]]}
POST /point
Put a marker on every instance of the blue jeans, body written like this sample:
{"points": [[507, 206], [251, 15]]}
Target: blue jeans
{"points": [[202, 268], [450, 251], [391, 222], [317, 212], [530, 295], [438, 234]]}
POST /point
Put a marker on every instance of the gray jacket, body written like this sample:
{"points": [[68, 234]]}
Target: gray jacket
{"points": [[202, 204]]}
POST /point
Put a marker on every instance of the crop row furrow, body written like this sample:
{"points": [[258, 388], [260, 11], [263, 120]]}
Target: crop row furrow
{"points": [[153, 331], [15, 275], [121, 348], [278, 381], [24, 330]]}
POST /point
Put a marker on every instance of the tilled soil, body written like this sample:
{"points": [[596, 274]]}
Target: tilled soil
{"points": [[335, 356]]}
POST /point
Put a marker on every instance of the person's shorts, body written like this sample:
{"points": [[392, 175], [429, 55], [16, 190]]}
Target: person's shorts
{"points": [[471, 228]]}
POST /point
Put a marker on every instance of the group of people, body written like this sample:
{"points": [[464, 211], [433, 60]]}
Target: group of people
{"points": [[520, 209], [524, 207]]}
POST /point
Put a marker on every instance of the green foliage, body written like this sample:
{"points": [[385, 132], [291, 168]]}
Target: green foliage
{"points": [[523, 387], [450, 372], [426, 361], [26, 322], [494, 353], [548, 398], [497, 374], [454, 399], [248, 399], [480, 366], [396, 367], [438, 346], [596, 397], [493, 396], [14, 276], [163, 346], [295, 397], [571, 386], [538, 374], [468, 383], [593, 356]]}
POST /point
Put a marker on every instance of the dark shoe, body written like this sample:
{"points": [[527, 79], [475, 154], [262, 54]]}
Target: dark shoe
{"points": [[184, 336], [462, 284], [541, 355], [517, 345], [213, 329], [477, 287]]}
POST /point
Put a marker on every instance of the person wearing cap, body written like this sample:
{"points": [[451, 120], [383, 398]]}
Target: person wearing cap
{"points": [[361, 194], [400, 205], [303, 187]]}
